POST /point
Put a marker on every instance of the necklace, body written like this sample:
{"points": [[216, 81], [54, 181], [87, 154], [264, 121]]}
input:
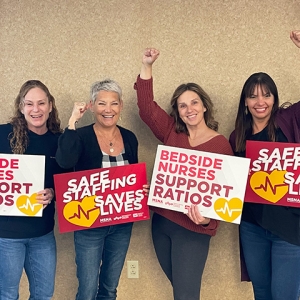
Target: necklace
{"points": [[111, 144], [111, 147]]}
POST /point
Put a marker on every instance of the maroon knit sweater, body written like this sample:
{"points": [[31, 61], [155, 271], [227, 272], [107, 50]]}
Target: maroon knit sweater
{"points": [[163, 127]]}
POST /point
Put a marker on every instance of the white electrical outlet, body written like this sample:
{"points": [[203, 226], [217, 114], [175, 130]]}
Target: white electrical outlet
{"points": [[132, 269]]}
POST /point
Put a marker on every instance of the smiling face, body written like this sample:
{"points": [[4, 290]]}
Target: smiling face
{"points": [[107, 108], [260, 104], [191, 109], [36, 109]]}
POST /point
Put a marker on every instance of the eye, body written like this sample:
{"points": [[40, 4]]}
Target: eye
{"points": [[115, 103], [181, 105], [101, 103], [267, 95], [252, 96]]}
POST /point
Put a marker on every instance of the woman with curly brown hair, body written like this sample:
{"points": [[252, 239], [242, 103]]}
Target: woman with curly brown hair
{"points": [[28, 242]]}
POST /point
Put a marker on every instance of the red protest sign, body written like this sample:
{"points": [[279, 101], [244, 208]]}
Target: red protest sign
{"points": [[101, 197], [274, 176]]}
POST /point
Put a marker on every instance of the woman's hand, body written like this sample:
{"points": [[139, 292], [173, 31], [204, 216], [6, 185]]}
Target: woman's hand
{"points": [[149, 57], [194, 214], [78, 111], [295, 37], [45, 197], [146, 189]]}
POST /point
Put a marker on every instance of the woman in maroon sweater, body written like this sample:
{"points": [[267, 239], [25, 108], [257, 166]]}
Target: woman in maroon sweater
{"points": [[181, 241]]}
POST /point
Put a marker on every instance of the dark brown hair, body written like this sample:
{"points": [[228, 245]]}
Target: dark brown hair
{"points": [[244, 120]]}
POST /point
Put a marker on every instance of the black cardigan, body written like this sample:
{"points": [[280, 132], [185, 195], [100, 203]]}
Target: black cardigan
{"points": [[79, 149]]}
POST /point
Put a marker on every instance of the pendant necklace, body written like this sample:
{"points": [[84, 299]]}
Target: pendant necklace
{"points": [[111, 144], [111, 147]]}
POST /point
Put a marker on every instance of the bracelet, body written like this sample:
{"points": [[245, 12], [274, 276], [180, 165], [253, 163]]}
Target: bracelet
{"points": [[74, 124]]}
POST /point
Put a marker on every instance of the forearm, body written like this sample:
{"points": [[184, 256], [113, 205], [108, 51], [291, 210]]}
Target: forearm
{"points": [[72, 123], [146, 71], [150, 112]]}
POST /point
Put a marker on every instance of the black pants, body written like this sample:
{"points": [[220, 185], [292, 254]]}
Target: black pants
{"points": [[182, 255]]}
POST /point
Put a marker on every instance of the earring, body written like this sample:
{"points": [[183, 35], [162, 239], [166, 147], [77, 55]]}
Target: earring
{"points": [[120, 117], [246, 110]]}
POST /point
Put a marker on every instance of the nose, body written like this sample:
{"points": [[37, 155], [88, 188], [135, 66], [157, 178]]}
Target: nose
{"points": [[189, 108], [35, 107], [107, 107], [260, 100]]}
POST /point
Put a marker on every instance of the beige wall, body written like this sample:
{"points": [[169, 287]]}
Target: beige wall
{"points": [[68, 44]]}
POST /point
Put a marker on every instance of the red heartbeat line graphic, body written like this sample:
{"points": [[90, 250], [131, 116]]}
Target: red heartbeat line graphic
{"points": [[86, 214], [269, 183]]}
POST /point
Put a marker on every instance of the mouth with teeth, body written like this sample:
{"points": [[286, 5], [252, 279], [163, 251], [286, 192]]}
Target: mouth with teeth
{"points": [[260, 110], [36, 117], [191, 116]]}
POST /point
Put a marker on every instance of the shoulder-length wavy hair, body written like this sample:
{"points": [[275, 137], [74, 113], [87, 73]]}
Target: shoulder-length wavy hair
{"points": [[208, 114], [244, 119], [19, 136]]}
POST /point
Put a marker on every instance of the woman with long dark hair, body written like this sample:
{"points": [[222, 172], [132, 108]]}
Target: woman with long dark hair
{"points": [[269, 234]]}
